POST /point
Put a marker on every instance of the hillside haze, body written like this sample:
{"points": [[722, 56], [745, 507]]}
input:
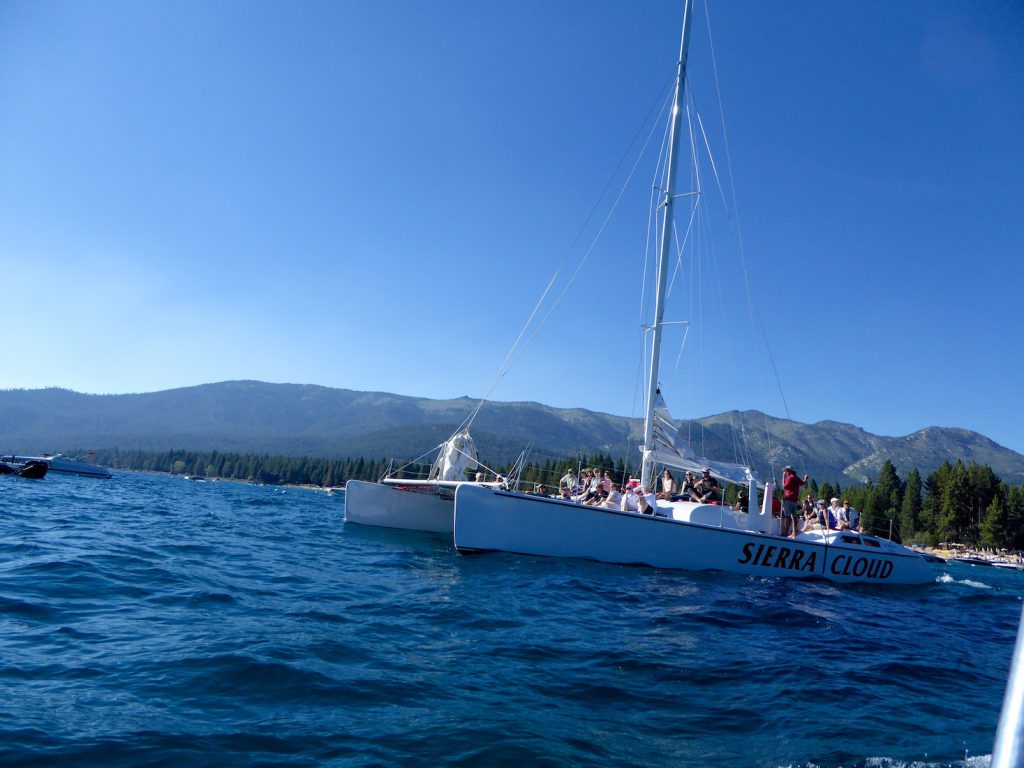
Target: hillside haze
{"points": [[308, 420]]}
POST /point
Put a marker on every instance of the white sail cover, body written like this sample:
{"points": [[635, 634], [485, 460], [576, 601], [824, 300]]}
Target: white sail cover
{"points": [[458, 454], [670, 453]]}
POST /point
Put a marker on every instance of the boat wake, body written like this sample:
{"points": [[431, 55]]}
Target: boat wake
{"points": [[977, 761], [945, 578]]}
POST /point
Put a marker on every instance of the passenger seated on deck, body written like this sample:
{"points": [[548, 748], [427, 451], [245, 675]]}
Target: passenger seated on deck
{"points": [[829, 516], [584, 485], [567, 484], [542, 490], [853, 516], [837, 512], [707, 489], [614, 499], [666, 485], [811, 520], [687, 488], [630, 500], [825, 518], [647, 503], [593, 493]]}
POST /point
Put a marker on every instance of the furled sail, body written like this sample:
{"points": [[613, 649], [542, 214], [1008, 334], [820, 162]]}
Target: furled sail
{"points": [[669, 451], [457, 456]]}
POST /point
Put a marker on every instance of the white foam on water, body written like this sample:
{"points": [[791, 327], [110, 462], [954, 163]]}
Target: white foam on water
{"points": [[947, 579], [977, 761]]}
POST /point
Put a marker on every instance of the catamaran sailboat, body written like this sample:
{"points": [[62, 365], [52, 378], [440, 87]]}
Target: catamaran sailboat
{"points": [[679, 534]]}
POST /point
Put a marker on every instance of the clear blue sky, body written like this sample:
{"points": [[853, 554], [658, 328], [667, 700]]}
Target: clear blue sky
{"points": [[371, 194]]}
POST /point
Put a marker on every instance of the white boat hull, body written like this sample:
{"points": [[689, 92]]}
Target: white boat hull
{"points": [[421, 508], [492, 520]]}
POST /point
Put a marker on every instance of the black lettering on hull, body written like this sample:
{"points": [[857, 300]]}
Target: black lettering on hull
{"points": [[748, 552], [784, 558]]}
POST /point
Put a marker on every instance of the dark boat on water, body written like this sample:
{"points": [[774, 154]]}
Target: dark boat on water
{"points": [[32, 469], [65, 465], [973, 561]]}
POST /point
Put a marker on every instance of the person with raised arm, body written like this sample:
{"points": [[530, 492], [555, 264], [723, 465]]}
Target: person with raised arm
{"points": [[791, 485]]}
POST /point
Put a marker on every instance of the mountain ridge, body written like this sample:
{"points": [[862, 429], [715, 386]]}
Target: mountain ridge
{"points": [[250, 416]]}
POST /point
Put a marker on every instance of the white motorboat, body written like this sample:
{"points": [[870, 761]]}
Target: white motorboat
{"points": [[76, 466], [678, 534]]}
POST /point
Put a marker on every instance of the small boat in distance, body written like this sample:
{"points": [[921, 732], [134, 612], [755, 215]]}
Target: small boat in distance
{"points": [[59, 463], [973, 561]]}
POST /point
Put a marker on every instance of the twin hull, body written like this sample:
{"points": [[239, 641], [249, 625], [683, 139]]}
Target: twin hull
{"points": [[424, 508], [487, 519]]}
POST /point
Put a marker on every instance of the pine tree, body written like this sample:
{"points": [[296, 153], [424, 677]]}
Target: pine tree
{"points": [[910, 512], [994, 528], [889, 489], [955, 518], [825, 491], [886, 499], [1015, 516], [869, 517], [984, 486]]}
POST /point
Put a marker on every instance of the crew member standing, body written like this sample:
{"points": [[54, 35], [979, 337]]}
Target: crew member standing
{"points": [[791, 485]]}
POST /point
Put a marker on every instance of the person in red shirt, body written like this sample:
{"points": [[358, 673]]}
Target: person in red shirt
{"points": [[791, 505]]}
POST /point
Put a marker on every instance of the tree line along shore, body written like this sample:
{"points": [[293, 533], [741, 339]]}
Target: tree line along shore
{"points": [[965, 504]]}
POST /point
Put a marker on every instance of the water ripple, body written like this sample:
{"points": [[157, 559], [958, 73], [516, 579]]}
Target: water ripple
{"points": [[149, 621]]}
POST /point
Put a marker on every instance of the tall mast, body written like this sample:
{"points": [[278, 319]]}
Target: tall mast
{"points": [[668, 201]]}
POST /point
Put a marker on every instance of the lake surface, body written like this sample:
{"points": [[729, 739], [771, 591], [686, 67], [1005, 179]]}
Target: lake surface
{"points": [[149, 620]]}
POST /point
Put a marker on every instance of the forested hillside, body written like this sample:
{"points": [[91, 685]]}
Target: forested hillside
{"points": [[292, 420]]}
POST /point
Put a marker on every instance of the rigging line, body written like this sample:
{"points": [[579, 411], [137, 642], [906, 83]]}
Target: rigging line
{"points": [[682, 345], [725, 134], [421, 456], [581, 264], [504, 367], [739, 440], [753, 312], [694, 167], [487, 468], [739, 232], [680, 246], [719, 294]]}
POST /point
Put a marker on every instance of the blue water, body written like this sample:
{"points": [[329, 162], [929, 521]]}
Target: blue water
{"points": [[148, 620]]}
